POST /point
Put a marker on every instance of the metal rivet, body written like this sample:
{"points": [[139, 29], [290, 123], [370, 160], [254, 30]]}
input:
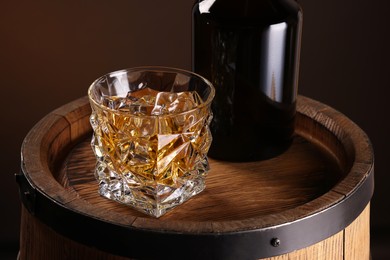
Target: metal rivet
{"points": [[275, 242]]}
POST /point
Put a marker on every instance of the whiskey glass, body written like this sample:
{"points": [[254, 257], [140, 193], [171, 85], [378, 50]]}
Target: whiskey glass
{"points": [[151, 136]]}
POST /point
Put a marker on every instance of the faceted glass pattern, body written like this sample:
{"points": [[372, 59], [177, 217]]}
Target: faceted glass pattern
{"points": [[151, 141]]}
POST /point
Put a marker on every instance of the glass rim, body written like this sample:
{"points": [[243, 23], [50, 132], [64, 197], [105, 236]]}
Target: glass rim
{"points": [[153, 68]]}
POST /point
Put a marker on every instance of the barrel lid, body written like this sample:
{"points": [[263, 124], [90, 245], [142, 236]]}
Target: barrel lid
{"points": [[53, 200]]}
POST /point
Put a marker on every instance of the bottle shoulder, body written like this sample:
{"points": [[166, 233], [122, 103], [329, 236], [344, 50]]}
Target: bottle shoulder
{"points": [[248, 12]]}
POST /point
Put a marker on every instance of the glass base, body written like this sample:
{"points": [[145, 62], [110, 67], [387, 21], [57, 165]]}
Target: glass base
{"points": [[154, 200]]}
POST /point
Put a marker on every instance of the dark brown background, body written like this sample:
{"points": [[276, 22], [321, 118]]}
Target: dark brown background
{"points": [[50, 51]]}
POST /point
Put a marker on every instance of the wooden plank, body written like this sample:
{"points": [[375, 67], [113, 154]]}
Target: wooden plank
{"points": [[357, 237], [40, 242]]}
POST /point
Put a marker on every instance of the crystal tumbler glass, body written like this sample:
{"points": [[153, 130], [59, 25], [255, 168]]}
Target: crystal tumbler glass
{"points": [[151, 136]]}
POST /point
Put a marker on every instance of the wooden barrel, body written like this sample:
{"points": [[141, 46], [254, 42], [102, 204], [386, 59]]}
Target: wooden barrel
{"points": [[311, 202]]}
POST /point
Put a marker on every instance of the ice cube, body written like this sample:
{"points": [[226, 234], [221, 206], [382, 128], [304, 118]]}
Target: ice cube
{"points": [[114, 103], [141, 101], [140, 93], [170, 103]]}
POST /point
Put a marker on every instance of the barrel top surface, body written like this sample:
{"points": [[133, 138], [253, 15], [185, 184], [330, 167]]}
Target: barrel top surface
{"points": [[330, 159], [234, 191]]}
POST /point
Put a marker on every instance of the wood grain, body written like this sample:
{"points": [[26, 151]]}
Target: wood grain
{"points": [[234, 190], [356, 237]]}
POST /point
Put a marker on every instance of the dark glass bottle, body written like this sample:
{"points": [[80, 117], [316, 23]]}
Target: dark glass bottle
{"points": [[249, 50]]}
